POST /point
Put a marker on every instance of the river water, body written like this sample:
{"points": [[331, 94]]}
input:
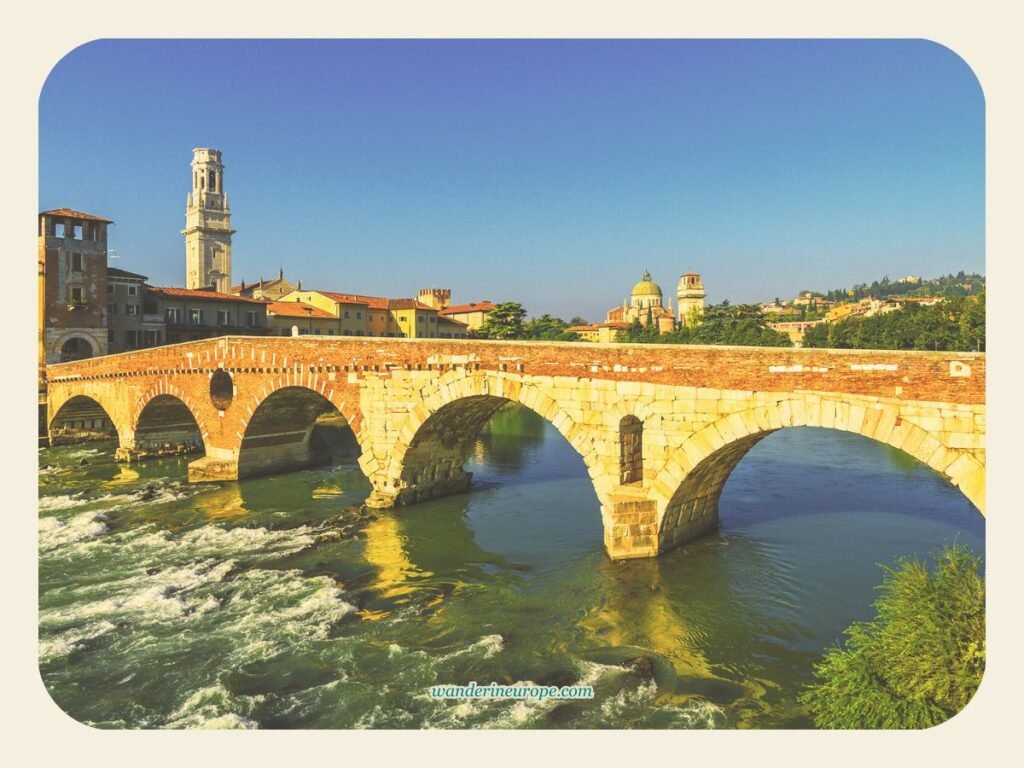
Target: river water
{"points": [[273, 603]]}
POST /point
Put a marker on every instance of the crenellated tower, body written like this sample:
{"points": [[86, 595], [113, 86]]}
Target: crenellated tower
{"points": [[208, 225]]}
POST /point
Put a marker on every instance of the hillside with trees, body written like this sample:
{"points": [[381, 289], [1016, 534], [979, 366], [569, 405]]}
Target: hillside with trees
{"points": [[956, 324], [949, 286]]}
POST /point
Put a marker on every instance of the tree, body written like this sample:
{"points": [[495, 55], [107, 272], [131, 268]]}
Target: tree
{"points": [[505, 321], [919, 661], [577, 320], [544, 327]]}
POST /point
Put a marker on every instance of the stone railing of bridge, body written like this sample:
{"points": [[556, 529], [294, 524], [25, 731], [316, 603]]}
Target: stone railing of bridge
{"points": [[658, 427]]}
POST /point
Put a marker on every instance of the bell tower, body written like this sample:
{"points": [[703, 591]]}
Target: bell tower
{"points": [[208, 225], [690, 299]]}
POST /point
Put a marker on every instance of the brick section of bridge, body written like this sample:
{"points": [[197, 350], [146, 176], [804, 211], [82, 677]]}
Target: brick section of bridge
{"points": [[416, 405]]}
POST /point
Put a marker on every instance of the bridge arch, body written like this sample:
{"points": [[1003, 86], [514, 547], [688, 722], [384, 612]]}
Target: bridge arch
{"points": [[276, 436], [79, 417], [690, 484], [437, 436], [166, 417]]}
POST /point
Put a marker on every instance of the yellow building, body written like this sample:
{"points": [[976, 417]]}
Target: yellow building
{"points": [[296, 318], [358, 315], [472, 314]]}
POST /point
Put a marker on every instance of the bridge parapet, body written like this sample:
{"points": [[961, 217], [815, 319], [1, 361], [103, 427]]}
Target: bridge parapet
{"points": [[658, 427]]}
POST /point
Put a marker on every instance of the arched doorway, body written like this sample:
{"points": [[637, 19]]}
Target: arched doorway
{"points": [[76, 348]]}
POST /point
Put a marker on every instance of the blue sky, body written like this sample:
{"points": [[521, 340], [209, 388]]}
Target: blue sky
{"points": [[550, 172]]}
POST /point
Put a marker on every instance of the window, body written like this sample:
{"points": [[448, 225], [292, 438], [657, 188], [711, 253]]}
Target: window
{"points": [[317, 331], [152, 338], [631, 460], [76, 262], [346, 314], [402, 319], [131, 338], [111, 336], [330, 331], [173, 315], [250, 318], [223, 317], [433, 319], [110, 289], [111, 309], [419, 318], [76, 231], [133, 290], [131, 309], [58, 229], [359, 315], [195, 317], [77, 296]]}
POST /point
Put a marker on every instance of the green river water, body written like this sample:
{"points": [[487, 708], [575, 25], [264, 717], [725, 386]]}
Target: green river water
{"points": [[274, 603]]}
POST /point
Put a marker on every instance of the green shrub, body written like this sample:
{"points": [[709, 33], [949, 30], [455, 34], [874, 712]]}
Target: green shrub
{"points": [[919, 661]]}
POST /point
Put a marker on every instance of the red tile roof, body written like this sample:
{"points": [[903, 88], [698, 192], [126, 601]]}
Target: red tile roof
{"points": [[478, 306], [374, 302], [296, 309], [189, 293], [451, 321], [407, 304], [67, 212]]}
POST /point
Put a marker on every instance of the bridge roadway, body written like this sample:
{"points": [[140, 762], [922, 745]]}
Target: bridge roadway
{"points": [[659, 427]]}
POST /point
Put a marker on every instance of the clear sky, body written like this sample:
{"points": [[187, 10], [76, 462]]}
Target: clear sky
{"points": [[549, 172]]}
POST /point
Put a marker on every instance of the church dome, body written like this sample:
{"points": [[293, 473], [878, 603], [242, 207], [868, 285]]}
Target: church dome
{"points": [[646, 286]]}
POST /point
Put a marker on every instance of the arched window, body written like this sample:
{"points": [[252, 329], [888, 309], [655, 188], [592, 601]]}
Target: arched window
{"points": [[631, 442]]}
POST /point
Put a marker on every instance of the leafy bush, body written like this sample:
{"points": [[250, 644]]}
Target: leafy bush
{"points": [[919, 661]]}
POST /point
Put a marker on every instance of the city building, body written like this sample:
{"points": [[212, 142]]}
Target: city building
{"points": [[602, 332], [126, 329], [795, 329], [359, 315], [208, 225], [297, 318], [644, 305], [72, 285], [473, 314], [197, 314], [272, 289], [435, 298]]}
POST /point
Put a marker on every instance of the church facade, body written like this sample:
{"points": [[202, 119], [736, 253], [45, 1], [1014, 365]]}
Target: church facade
{"points": [[646, 305]]}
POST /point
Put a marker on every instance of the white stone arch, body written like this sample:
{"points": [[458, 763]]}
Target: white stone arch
{"points": [[458, 385], [871, 418]]}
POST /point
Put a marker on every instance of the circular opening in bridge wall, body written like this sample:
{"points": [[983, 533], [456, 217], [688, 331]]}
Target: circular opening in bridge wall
{"points": [[222, 389]]}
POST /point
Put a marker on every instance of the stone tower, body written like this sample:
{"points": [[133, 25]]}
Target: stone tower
{"points": [[208, 225], [690, 299]]}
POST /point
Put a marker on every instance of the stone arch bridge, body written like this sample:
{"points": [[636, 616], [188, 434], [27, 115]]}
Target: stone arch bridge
{"points": [[659, 427]]}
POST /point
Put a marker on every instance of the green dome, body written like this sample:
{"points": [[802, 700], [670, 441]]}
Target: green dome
{"points": [[646, 286]]}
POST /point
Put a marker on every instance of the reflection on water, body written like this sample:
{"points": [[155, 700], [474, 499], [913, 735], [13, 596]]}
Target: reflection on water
{"points": [[274, 602]]}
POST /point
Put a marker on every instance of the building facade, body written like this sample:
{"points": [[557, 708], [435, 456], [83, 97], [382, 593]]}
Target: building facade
{"points": [[208, 225], [473, 314], [126, 294], [644, 305], [359, 315], [273, 289], [72, 285], [192, 315]]}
